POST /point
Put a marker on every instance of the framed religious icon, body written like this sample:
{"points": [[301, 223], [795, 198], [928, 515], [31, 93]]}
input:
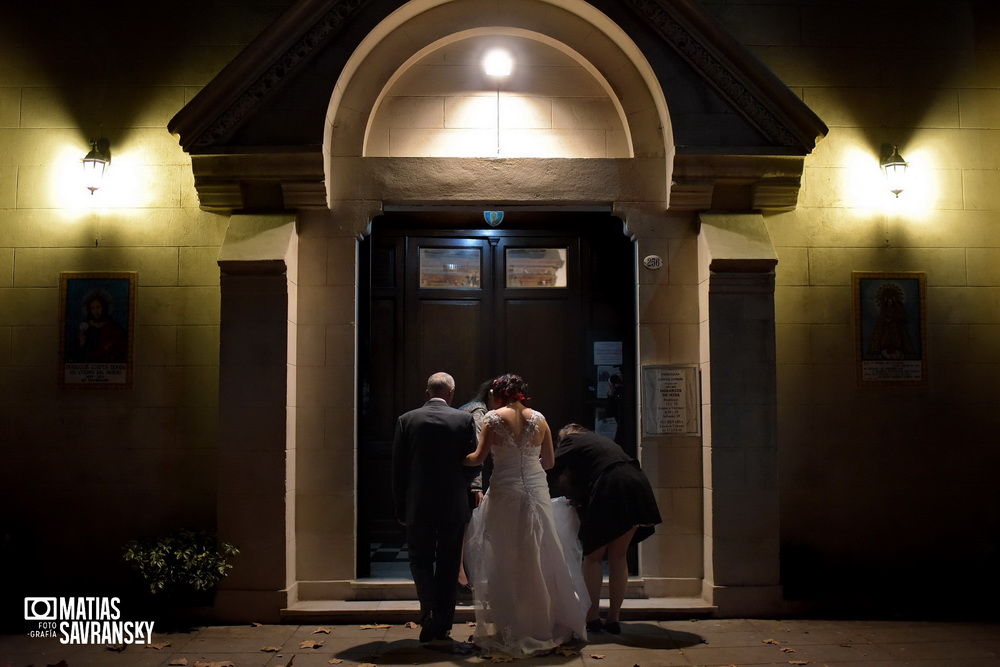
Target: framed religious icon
{"points": [[96, 329], [890, 327]]}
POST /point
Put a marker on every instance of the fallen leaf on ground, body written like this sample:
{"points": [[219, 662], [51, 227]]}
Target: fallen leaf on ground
{"points": [[598, 656], [375, 626], [498, 657], [159, 646], [324, 631], [367, 664], [256, 625], [311, 643], [270, 649], [771, 641], [410, 624], [567, 651], [798, 662], [334, 661], [471, 624], [178, 662], [224, 663], [787, 650], [117, 648]]}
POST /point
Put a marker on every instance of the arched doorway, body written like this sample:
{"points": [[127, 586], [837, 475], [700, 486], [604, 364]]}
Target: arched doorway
{"points": [[550, 296]]}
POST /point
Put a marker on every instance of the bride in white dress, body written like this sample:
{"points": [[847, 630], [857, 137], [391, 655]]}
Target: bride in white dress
{"points": [[522, 546]]}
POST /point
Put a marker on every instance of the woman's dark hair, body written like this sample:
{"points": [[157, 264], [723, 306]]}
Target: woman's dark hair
{"points": [[509, 388], [482, 393]]}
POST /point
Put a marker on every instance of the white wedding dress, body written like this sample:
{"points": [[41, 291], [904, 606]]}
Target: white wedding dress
{"points": [[524, 554]]}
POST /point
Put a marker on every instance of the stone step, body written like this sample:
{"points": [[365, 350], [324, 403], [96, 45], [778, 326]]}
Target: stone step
{"points": [[401, 611]]}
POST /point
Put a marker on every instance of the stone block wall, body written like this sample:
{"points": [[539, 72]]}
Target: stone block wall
{"points": [[87, 469], [881, 484]]}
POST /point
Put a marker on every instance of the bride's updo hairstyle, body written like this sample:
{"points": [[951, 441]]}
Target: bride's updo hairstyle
{"points": [[509, 388]]}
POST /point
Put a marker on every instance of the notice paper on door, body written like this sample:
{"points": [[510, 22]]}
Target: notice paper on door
{"points": [[608, 353]]}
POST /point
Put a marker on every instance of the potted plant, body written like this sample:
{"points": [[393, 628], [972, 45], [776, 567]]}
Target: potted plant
{"points": [[184, 566]]}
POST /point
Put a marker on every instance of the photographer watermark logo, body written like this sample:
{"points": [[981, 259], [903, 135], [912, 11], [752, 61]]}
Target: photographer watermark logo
{"points": [[84, 620]]}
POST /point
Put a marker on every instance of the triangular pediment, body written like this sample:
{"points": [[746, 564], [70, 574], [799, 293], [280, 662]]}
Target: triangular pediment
{"points": [[275, 96]]}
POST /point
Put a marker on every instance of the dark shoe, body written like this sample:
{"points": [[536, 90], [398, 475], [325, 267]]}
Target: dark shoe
{"points": [[613, 628], [594, 625], [464, 592], [445, 644], [464, 648], [428, 633]]}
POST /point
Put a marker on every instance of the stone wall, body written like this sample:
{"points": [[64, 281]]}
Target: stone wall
{"points": [[887, 488]]}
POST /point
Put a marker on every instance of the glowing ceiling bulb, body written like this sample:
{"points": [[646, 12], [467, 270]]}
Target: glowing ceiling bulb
{"points": [[498, 63]]}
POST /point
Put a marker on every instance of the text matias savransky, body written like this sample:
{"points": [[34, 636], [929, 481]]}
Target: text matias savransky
{"points": [[85, 620]]}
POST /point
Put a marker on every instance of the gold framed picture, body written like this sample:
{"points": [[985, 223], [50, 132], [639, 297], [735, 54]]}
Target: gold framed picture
{"points": [[96, 329], [890, 327]]}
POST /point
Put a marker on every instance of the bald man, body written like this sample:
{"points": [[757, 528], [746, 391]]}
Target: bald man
{"points": [[430, 491]]}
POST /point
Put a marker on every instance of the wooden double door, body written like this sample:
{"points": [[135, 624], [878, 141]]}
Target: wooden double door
{"points": [[551, 298]]}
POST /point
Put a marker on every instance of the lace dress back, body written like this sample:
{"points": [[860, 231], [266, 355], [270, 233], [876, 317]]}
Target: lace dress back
{"points": [[523, 552]]}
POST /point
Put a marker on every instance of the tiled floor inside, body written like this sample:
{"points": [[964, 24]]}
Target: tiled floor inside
{"points": [[711, 642], [390, 560]]}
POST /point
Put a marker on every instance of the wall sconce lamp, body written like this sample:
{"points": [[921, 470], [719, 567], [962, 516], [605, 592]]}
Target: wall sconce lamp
{"points": [[894, 167], [95, 163]]}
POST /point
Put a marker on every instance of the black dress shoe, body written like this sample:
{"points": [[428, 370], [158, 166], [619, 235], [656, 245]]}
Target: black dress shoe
{"points": [[428, 633], [613, 628], [594, 625]]}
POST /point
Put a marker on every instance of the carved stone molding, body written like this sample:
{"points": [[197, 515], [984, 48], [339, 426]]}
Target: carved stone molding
{"points": [[770, 183], [318, 35], [260, 181], [729, 79], [310, 27]]}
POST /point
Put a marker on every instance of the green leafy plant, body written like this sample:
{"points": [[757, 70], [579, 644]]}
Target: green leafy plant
{"points": [[181, 562]]}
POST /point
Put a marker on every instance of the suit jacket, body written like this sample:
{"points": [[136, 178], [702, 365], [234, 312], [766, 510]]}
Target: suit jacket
{"points": [[430, 485]]}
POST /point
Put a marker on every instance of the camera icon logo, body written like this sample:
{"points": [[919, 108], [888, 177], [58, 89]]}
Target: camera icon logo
{"points": [[40, 609]]}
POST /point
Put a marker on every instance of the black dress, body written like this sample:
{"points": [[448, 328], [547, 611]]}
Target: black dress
{"points": [[608, 487]]}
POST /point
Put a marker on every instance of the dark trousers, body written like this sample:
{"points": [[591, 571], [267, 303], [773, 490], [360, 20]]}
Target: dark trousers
{"points": [[435, 554]]}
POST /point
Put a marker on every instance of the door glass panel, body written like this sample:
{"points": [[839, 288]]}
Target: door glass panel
{"points": [[450, 268], [536, 267]]}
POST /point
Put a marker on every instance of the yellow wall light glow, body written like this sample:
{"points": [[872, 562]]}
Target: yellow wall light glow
{"points": [[923, 192], [124, 184], [864, 184]]}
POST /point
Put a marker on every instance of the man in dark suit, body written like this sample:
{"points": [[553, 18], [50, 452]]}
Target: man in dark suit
{"points": [[430, 490]]}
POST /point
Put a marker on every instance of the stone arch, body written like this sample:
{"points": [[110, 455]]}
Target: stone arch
{"points": [[603, 47]]}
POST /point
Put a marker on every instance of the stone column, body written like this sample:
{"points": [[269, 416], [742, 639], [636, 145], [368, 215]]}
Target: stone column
{"points": [[742, 536], [257, 263]]}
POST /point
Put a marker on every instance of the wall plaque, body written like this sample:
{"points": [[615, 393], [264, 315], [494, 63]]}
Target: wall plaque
{"points": [[652, 262], [671, 400]]}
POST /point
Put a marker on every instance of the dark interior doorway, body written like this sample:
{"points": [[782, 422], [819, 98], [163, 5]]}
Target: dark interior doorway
{"points": [[550, 296]]}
